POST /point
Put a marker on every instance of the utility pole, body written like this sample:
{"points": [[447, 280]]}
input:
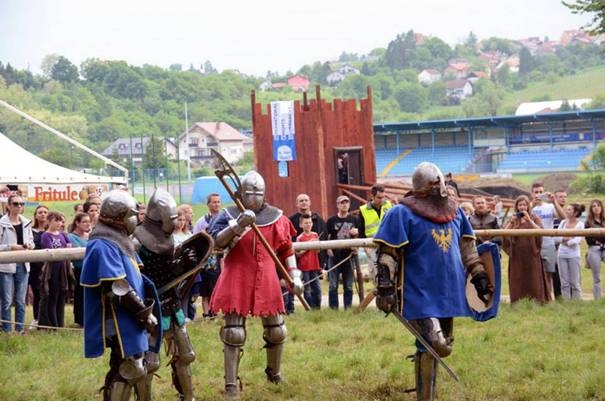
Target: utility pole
{"points": [[187, 144]]}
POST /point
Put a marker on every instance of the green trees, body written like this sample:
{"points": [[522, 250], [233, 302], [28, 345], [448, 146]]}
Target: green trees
{"points": [[595, 181], [595, 7], [64, 71]]}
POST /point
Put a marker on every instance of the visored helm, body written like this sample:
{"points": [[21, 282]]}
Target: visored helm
{"points": [[119, 209], [253, 191], [428, 179], [162, 210]]}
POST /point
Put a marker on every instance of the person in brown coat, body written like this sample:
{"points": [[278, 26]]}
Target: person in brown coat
{"points": [[526, 277]]}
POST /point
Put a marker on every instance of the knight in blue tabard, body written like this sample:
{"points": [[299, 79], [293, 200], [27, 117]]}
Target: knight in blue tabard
{"points": [[425, 251], [118, 300]]}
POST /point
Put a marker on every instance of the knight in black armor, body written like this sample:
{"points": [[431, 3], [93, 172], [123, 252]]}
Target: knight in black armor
{"points": [[429, 235], [249, 283], [153, 238], [119, 301]]}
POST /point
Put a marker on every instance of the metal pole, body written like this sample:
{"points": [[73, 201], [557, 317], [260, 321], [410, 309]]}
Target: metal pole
{"points": [[187, 143], [178, 167], [155, 166], [132, 171], [143, 151]]}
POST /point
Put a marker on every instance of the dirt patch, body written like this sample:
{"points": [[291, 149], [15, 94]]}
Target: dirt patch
{"points": [[558, 181], [489, 186], [509, 188]]}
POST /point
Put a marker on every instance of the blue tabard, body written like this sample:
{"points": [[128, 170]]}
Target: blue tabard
{"points": [[433, 274], [105, 261]]}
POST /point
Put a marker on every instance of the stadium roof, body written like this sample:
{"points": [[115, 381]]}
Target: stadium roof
{"points": [[482, 122]]}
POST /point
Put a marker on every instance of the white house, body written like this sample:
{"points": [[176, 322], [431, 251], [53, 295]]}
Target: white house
{"points": [[135, 147], [220, 136], [341, 73], [429, 76], [458, 89]]}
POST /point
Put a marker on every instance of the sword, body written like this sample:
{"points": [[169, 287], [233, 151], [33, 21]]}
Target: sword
{"points": [[422, 341]]}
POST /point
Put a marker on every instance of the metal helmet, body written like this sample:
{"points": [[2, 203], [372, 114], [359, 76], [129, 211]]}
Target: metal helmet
{"points": [[253, 191], [162, 210], [119, 209], [425, 177]]}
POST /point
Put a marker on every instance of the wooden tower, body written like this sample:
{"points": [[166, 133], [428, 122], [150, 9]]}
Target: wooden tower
{"points": [[325, 133]]}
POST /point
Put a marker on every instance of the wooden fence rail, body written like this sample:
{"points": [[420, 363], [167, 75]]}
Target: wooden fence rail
{"points": [[43, 255]]}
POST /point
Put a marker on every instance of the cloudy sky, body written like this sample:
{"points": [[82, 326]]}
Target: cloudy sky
{"points": [[255, 36]]}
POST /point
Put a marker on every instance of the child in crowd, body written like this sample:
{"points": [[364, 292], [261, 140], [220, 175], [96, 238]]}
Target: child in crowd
{"points": [[55, 276], [308, 263]]}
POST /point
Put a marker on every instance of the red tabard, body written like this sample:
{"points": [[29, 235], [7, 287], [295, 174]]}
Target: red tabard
{"points": [[249, 284]]}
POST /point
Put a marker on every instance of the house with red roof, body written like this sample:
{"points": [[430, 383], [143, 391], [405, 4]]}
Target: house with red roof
{"points": [[299, 83]]}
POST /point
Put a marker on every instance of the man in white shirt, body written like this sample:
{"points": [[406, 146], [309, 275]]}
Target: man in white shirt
{"points": [[544, 205]]}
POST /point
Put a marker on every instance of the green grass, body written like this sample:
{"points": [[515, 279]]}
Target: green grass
{"points": [[585, 84], [529, 352]]}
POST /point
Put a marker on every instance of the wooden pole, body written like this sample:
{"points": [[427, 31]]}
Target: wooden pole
{"points": [[52, 255]]}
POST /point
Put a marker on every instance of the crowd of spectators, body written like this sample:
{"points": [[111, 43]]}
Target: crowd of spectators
{"points": [[541, 268]]}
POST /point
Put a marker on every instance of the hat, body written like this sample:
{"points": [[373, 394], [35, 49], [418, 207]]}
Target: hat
{"points": [[342, 198]]}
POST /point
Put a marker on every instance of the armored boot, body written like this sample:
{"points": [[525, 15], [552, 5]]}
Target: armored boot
{"points": [[425, 366]]}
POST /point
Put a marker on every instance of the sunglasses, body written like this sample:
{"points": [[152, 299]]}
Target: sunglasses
{"points": [[17, 204]]}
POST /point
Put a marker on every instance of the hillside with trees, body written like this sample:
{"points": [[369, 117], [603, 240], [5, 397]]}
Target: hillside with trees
{"points": [[102, 100]]}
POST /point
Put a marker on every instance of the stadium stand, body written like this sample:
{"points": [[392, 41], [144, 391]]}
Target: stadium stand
{"points": [[450, 158], [543, 160]]}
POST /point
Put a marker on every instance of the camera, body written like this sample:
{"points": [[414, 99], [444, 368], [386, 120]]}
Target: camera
{"points": [[520, 215]]}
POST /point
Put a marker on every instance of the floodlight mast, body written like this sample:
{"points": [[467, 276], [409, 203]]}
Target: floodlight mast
{"points": [[65, 137]]}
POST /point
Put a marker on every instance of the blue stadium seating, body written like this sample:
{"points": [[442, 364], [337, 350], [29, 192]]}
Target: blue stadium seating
{"points": [[534, 160], [452, 158]]}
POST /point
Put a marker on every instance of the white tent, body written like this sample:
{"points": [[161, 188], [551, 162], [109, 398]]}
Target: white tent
{"points": [[42, 181], [18, 166]]}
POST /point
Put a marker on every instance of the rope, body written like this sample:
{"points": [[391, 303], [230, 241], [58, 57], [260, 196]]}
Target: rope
{"points": [[327, 271], [30, 326]]}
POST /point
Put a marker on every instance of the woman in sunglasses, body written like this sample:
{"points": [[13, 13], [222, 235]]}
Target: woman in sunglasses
{"points": [[15, 235]]}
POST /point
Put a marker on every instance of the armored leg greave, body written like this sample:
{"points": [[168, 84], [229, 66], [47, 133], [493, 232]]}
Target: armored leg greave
{"points": [[122, 375], [274, 334], [142, 386], [425, 366], [233, 336], [438, 333], [181, 363]]}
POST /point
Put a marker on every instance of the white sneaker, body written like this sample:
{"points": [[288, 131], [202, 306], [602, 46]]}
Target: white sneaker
{"points": [[33, 325]]}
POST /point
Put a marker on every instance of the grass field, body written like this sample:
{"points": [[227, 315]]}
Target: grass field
{"points": [[585, 84], [529, 352]]}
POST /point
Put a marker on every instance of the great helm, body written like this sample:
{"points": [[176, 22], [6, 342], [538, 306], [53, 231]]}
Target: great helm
{"points": [[253, 191], [119, 209], [425, 177], [162, 210]]}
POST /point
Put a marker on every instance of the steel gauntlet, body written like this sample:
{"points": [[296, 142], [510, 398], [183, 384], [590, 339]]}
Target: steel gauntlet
{"points": [[123, 295], [385, 280]]}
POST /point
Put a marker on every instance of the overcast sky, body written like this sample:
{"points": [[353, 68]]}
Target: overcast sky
{"points": [[255, 36]]}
